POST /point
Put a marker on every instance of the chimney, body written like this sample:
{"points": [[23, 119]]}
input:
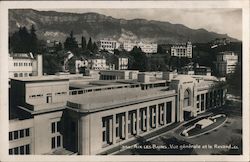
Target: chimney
{"points": [[39, 65]]}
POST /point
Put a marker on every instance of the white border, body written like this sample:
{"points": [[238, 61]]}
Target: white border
{"points": [[5, 5]]}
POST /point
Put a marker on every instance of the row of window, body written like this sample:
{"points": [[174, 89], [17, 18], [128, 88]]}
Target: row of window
{"points": [[14, 135], [22, 74], [21, 150], [41, 95], [157, 116], [22, 64]]}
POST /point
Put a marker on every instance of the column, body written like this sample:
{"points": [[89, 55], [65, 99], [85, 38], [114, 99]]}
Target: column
{"points": [[164, 113], [144, 119], [156, 114], [123, 126], [110, 125], [199, 102], [148, 117], [114, 129], [126, 125], [205, 102], [137, 122], [134, 123]]}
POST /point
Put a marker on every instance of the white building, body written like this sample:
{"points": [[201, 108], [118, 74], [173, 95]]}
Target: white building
{"points": [[226, 62], [25, 65], [92, 64], [78, 116], [108, 44], [182, 50], [145, 47], [122, 63]]}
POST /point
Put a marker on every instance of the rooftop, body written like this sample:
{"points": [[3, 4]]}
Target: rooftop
{"points": [[40, 78], [117, 98]]}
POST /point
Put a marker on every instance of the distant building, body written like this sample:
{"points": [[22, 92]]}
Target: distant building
{"points": [[182, 50], [25, 65], [202, 70], [226, 62], [97, 64], [145, 47], [121, 63], [108, 44]]}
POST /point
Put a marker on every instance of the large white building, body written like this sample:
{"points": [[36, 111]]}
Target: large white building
{"points": [[145, 47], [25, 65], [108, 44], [182, 50], [59, 115], [226, 62]]}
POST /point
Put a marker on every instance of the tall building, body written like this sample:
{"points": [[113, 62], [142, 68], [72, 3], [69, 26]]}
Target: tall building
{"points": [[108, 44], [226, 62], [25, 65], [145, 47], [57, 115], [182, 50]]}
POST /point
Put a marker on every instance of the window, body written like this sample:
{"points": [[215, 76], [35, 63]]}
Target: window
{"points": [[53, 142], [169, 112], [15, 75], [187, 97], [10, 136], [107, 130], [15, 134], [53, 127], [21, 133], [20, 74], [27, 132], [56, 140]]}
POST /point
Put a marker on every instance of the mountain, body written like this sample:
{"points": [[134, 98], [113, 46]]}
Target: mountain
{"points": [[57, 26]]}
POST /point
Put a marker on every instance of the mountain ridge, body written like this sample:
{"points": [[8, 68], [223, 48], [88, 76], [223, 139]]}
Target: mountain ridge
{"points": [[55, 25]]}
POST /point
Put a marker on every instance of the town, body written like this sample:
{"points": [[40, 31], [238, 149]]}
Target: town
{"points": [[100, 97]]}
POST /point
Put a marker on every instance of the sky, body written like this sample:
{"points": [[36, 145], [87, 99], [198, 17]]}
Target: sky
{"points": [[219, 20]]}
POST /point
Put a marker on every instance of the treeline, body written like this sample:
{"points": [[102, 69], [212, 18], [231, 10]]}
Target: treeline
{"points": [[24, 40]]}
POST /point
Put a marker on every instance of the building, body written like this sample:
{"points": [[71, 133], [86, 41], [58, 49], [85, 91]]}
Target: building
{"points": [[202, 70], [92, 64], [226, 62], [121, 63], [58, 115], [145, 47], [182, 50], [108, 44], [25, 65]]}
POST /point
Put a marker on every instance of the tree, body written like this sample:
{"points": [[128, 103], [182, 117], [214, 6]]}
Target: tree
{"points": [[90, 45], [83, 43], [70, 42], [140, 60], [94, 47], [33, 40]]}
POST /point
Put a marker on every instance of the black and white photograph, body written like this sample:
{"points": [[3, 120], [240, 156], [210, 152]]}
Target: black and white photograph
{"points": [[126, 80]]}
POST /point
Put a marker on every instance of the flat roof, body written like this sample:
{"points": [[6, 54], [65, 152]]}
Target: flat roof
{"points": [[40, 78], [116, 98]]}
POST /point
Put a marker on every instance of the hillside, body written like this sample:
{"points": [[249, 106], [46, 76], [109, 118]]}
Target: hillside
{"points": [[57, 25]]}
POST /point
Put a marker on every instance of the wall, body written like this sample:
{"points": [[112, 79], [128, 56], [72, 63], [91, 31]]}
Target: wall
{"points": [[91, 140]]}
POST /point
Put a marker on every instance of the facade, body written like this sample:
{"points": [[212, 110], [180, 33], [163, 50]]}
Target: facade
{"points": [[76, 116], [25, 65], [226, 62], [145, 47], [202, 70], [121, 63], [182, 50], [108, 44], [92, 64]]}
